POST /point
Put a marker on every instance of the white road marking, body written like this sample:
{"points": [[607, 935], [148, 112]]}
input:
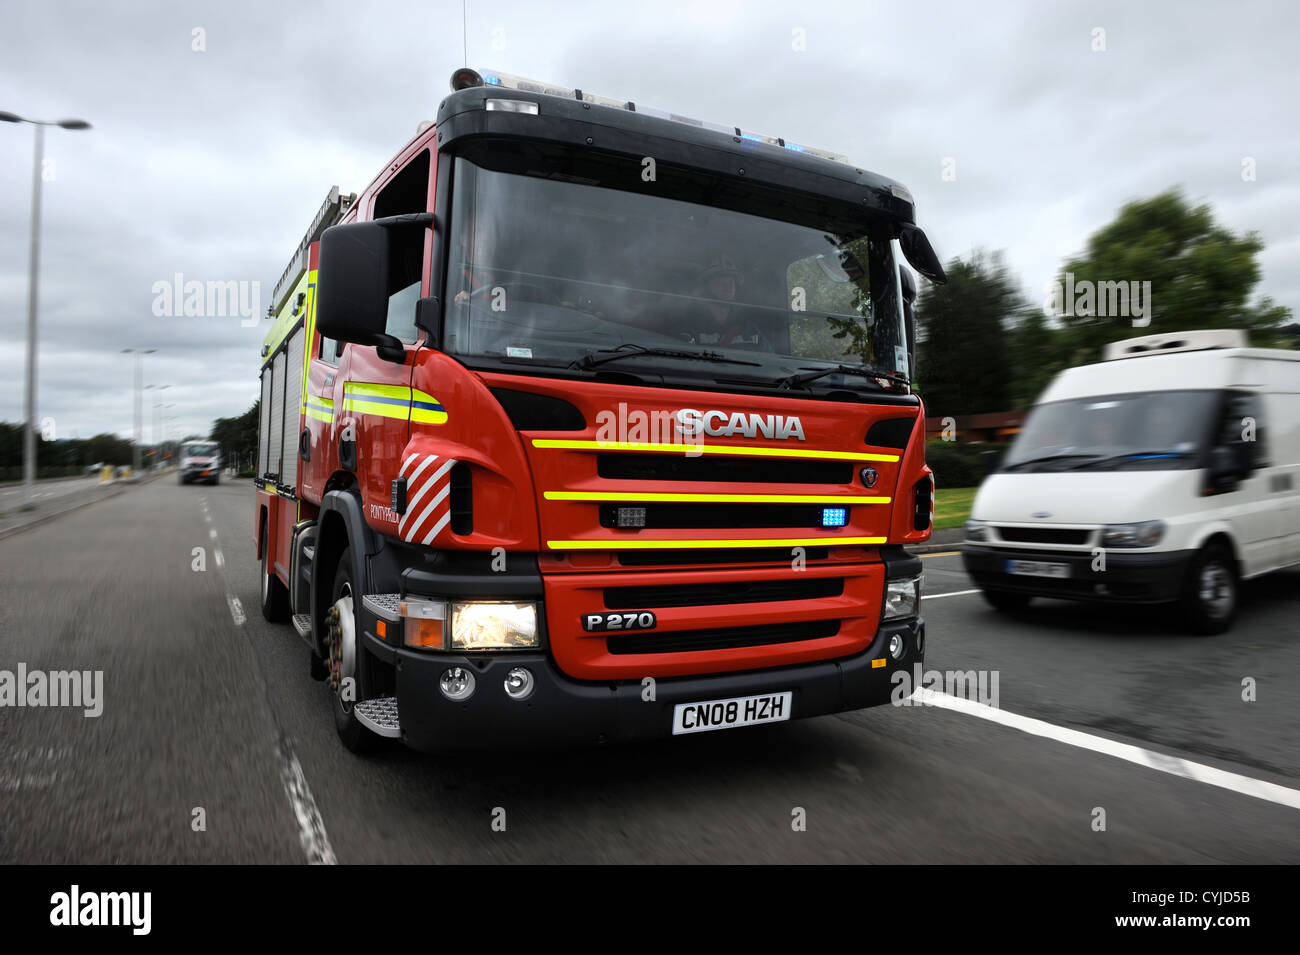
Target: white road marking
{"points": [[1161, 762], [311, 827], [953, 593]]}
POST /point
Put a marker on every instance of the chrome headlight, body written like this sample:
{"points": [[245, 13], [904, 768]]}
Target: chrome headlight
{"points": [[977, 530], [481, 625], [1145, 534], [902, 598]]}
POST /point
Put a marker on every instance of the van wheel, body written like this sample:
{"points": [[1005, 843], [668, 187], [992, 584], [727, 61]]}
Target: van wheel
{"points": [[275, 596], [1007, 601], [348, 663], [1210, 595]]}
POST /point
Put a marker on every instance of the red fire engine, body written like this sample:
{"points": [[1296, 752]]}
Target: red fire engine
{"points": [[586, 421]]}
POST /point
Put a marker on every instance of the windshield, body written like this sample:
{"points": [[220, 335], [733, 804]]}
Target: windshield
{"points": [[199, 450], [558, 260], [1155, 430]]}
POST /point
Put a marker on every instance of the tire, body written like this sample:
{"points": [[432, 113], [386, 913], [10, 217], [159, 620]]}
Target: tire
{"points": [[1211, 591], [275, 596], [216, 481], [354, 735], [1007, 601]]}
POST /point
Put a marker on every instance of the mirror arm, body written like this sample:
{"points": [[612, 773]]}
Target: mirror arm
{"points": [[390, 348]]}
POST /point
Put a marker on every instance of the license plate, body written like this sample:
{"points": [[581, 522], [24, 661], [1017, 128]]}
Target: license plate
{"points": [[726, 714], [1037, 568]]}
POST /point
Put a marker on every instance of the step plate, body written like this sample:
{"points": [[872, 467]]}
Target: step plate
{"points": [[302, 623], [379, 716], [383, 605]]}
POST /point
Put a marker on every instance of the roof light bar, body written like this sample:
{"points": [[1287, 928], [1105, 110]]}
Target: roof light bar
{"points": [[465, 78]]}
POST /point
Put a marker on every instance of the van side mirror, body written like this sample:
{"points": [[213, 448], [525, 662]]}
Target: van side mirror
{"points": [[352, 285], [1228, 465]]}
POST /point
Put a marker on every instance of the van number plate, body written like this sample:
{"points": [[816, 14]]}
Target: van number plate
{"points": [[1037, 568], [623, 620]]}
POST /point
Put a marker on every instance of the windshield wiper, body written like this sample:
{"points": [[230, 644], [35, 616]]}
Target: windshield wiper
{"points": [[590, 361], [1046, 458], [1115, 458], [871, 374]]}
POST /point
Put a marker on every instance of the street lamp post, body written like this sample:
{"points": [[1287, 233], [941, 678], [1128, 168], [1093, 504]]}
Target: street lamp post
{"points": [[157, 401], [139, 399], [34, 267]]}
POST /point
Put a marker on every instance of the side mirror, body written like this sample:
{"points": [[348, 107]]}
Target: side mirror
{"points": [[920, 254], [1228, 465], [352, 288]]}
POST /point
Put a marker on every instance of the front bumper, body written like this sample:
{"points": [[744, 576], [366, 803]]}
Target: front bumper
{"points": [[561, 709], [1127, 578]]}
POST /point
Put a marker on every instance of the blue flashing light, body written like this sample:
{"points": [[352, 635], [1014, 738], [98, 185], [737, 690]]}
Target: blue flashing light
{"points": [[835, 516], [490, 79]]}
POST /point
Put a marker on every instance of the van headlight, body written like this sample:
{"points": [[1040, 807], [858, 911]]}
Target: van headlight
{"points": [[977, 530], [902, 598], [483, 625], [1145, 534]]}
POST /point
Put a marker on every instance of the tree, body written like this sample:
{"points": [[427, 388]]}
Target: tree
{"points": [[1189, 270], [238, 436], [963, 357]]}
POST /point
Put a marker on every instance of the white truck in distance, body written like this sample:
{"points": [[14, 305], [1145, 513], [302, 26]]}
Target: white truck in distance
{"points": [[200, 461]]}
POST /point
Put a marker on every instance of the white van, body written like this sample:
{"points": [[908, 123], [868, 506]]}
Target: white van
{"points": [[1167, 472]]}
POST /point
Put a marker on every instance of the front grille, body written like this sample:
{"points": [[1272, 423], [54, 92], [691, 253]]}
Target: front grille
{"points": [[757, 555], [679, 467], [658, 516], [727, 638], [1044, 535], [743, 592]]}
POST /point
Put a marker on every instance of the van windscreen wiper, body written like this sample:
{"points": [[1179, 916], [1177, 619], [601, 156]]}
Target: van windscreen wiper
{"points": [[631, 350], [1127, 456], [1045, 458]]}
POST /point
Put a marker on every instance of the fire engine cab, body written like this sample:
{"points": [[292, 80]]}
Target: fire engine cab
{"points": [[586, 421]]}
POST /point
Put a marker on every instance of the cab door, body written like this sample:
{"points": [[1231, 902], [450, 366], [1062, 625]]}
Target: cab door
{"points": [[371, 396]]}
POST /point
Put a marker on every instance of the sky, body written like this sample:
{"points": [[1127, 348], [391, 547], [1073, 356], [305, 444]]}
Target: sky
{"points": [[218, 129]]}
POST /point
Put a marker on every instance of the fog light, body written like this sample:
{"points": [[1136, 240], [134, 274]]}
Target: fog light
{"points": [[519, 683], [457, 683], [896, 646]]}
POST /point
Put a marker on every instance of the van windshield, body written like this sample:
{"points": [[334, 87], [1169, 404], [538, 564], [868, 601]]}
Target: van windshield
{"points": [[559, 261], [1154, 430], [199, 450]]}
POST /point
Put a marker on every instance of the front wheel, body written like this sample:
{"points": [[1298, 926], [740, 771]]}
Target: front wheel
{"points": [[348, 664], [1210, 594]]}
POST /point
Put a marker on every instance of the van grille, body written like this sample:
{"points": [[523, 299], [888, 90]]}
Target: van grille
{"points": [[1044, 535]]}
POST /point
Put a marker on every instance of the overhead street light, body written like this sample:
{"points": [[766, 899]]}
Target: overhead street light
{"points": [[34, 267]]}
